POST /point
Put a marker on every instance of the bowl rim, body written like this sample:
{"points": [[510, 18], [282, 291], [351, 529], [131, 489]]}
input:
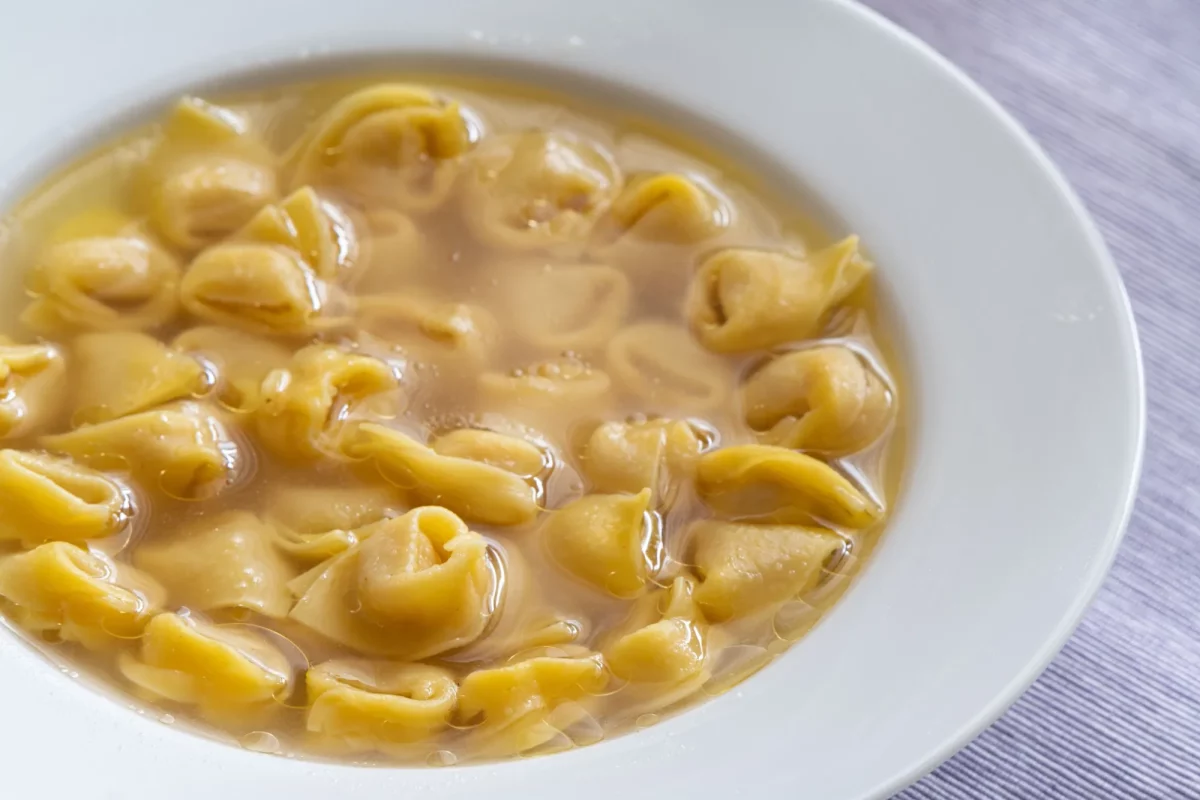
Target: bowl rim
{"points": [[39, 156]]}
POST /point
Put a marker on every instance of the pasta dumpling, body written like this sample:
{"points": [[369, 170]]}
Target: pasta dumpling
{"points": [[825, 399], [553, 385], [501, 450], [743, 300], [444, 334], [744, 568], [637, 455], [125, 372], [220, 562], [661, 365], [301, 409], [32, 377], [225, 670], [207, 176], [315, 228], [82, 596], [780, 484], [669, 649], [46, 498], [371, 705], [241, 361], [419, 585], [259, 288], [392, 144], [603, 540], [664, 208], [515, 705], [475, 490], [102, 283], [314, 523], [538, 190], [394, 252], [184, 450], [572, 307]]}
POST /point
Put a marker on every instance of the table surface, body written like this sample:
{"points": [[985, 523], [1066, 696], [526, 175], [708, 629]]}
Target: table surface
{"points": [[1111, 89]]}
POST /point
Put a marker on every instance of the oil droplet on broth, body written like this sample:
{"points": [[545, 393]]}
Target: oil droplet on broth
{"points": [[260, 742]]}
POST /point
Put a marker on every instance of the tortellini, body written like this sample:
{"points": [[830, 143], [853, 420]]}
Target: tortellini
{"points": [[420, 585], [220, 562], [553, 385], [538, 190], [184, 450], [604, 539], [225, 670], [664, 208], [475, 490], [391, 144], [241, 361], [745, 567], [670, 649], [122, 373], [514, 705], [824, 399], [743, 300], [59, 588], [572, 307], [103, 283], [315, 522], [637, 455], [372, 705], [394, 252], [661, 365], [315, 228], [208, 175], [45, 498], [259, 288], [430, 331], [780, 484], [32, 377], [301, 408]]}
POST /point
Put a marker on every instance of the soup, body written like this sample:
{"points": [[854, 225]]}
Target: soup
{"points": [[424, 424]]}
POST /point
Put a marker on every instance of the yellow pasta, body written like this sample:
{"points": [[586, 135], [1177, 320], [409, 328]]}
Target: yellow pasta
{"points": [[744, 568], [513, 705], [392, 144], [664, 208], [776, 483], [420, 585], [457, 336], [394, 252], [46, 498], [184, 450], [225, 670], [648, 454], [662, 366], [32, 377], [207, 176], [538, 190], [743, 300], [122, 373], [372, 705], [603, 539], [81, 596], [102, 284], [301, 410], [312, 523], [501, 450], [264, 289], [571, 307], [241, 361], [312, 226], [669, 649], [475, 490], [554, 385], [825, 399], [220, 562]]}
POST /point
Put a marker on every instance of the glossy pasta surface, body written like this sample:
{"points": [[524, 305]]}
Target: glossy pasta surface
{"points": [[398, 421]]}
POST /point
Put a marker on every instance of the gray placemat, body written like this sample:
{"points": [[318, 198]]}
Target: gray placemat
{"points": [[1111, 89]]}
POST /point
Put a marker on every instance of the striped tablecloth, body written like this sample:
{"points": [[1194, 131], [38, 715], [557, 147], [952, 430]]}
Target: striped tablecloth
{"points": [[1111, 89]]}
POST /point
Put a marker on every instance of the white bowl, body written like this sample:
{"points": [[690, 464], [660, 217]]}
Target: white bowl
{"points": [[1025, 389]]}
